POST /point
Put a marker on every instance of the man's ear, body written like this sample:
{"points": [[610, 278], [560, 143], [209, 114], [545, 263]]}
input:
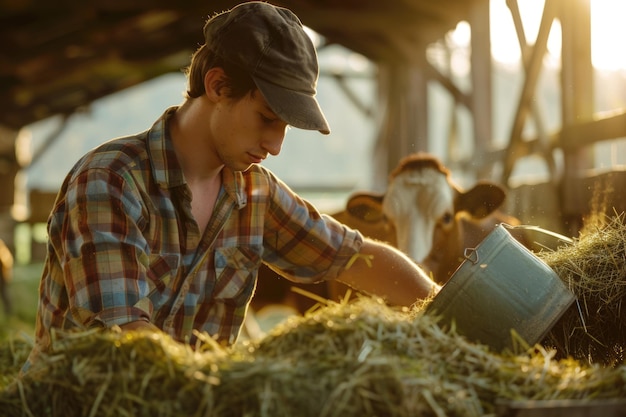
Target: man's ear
{"points": [[215, 83]]}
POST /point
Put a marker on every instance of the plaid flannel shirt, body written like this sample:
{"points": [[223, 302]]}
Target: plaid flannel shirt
{"points": [[123, 244]]}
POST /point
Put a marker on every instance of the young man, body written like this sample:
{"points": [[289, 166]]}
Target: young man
{"points": [[166, 229]]}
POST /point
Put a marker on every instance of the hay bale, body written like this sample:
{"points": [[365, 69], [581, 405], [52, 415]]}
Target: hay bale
{"points": [[358, 358], [109, 373], [344, 359], [13, 354], [593, 329]]}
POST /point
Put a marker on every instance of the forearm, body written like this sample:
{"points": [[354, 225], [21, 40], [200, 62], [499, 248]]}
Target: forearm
{"points": [[384, 271]]}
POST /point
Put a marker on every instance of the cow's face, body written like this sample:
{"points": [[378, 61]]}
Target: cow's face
{"points": [[426, 215], [420, 202], [435, 220]]}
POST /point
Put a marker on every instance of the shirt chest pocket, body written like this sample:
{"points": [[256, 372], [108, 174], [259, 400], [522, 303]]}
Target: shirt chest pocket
{"points": [[235, 271]]}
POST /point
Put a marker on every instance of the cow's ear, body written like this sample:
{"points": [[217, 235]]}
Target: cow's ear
{"points": [[366, 207], [481, 200]]}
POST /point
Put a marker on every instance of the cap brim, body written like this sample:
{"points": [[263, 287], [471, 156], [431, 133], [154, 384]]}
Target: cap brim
{"points": [[299, 110]]}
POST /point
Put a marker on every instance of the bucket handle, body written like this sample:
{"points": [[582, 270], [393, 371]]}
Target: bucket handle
{"points": [[471, 254], [539, 229]]}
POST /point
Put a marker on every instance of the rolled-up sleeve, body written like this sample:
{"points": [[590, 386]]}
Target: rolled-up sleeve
{"points": [[106, 255], [303, 244]]}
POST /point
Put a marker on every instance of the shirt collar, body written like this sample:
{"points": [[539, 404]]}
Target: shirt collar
{"points": [[234, 183], [166, 169]]}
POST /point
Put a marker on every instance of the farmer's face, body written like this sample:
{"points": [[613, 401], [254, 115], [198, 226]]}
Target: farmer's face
{"points": [[246, 131]]}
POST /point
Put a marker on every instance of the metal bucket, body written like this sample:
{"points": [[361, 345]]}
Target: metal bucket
{"points": [[502, 286]]}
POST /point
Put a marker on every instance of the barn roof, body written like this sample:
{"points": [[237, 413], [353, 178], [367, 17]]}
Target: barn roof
{"points": [[62, 55]]}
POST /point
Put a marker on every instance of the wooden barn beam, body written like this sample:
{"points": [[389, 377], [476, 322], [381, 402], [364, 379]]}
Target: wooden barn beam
{"points": [[481, 97], [583, 134], [543, 146], [403, 127], [533, 70], [459, 96], [577, 103]]}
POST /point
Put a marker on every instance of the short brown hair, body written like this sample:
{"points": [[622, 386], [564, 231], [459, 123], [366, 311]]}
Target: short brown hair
{"points": [[238, 82]]}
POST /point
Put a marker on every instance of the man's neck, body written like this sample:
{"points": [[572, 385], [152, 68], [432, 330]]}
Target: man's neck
{"points": [[192, 143]]}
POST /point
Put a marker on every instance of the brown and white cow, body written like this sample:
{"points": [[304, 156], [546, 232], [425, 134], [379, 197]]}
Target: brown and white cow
{"points": [[423, 212], [434, 219]]}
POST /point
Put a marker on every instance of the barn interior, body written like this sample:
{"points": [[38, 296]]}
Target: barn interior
{"points": [[61, 57]]}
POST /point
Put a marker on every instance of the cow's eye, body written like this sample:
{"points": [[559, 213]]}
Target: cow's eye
{"points": [[447, 219]]}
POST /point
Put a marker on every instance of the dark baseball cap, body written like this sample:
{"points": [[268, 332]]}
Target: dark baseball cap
{"points": [[270, 43]]}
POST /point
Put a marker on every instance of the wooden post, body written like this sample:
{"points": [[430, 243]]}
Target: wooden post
{"points": [[481, 63], [403, 128], [577, 103]]}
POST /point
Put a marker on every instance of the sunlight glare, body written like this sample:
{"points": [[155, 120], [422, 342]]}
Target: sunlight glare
{"points": [[504, 43], [607, 27], [461, 35]]}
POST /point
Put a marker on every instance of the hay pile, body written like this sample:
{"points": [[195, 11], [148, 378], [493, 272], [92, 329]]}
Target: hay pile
{"points": [[356, 359], [360, 358], [593, 329], [13, 354]]}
